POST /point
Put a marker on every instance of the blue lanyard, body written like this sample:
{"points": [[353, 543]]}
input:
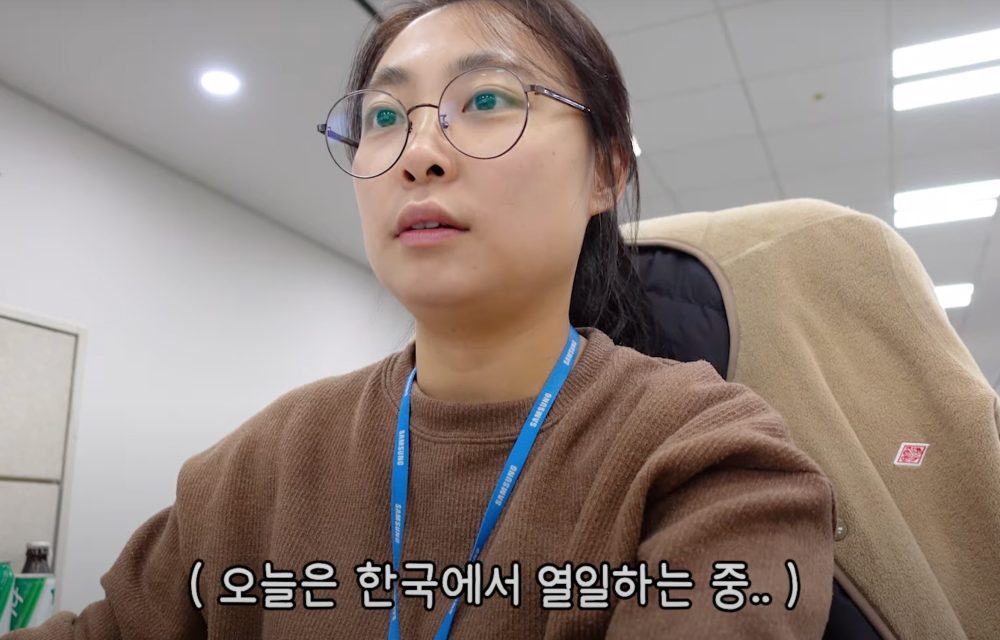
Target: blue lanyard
{"points": [[505, 483]]}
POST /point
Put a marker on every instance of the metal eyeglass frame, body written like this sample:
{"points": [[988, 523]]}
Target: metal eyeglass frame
{"points": [[442, 119]]}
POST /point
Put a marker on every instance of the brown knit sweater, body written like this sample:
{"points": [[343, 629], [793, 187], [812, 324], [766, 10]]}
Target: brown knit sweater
{"points": [[641, 460]]}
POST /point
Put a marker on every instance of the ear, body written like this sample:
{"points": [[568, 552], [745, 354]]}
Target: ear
{"points": [[604, 196]]}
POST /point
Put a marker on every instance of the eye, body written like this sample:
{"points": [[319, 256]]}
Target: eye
{"points": [[489, 100], [381, 117], [484, 100]]}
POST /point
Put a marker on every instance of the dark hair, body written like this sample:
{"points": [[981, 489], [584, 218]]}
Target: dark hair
{"points": [[607, 293]]}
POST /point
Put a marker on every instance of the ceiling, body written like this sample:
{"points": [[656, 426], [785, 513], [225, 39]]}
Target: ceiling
{"points": [[734, 102]]}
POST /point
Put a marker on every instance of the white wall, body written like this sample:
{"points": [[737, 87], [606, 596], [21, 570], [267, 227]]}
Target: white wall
{"points": [[198, 313]]}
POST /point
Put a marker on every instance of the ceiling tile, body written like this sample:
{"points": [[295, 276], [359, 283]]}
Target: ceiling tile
{"points": [[983, 345], [989, 272], [713, 164], [649, 181], [789, 35], [948, 127], [919, 21], [656, 200], [956, 317], [879, 208], [692, 118], [629, 15], [824, 94], [854, 185], [675, 58], [657, 207], [728, 195], [924, 170], [731, 4], [855, 141], [985, 308]]}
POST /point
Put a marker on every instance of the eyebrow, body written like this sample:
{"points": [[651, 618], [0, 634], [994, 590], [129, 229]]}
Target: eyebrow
{"points": [[395, 76]]}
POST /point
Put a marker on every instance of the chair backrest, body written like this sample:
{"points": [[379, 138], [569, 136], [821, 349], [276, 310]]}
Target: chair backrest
{"points": [[691, 324], [832, 319]]}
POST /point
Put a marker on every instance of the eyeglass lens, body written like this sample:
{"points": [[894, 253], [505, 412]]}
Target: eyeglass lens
{"points": [[482, 113]]}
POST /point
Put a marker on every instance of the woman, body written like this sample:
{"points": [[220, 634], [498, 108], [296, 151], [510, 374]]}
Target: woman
{"points": [[533, 437]]}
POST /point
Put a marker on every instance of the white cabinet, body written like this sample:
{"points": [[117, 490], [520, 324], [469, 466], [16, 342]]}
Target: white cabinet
{"points": [[36, 378], [30, 512], [40, 364]]}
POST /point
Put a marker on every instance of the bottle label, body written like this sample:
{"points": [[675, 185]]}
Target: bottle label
{"points": [[34, 600], [6, 595]]}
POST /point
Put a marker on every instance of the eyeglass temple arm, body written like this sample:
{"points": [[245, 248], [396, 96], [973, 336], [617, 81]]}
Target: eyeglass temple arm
{"points": [[328, 132], [545, 91]]}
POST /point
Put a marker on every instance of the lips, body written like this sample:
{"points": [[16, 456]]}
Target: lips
{"points": [[425, 212], [426, 237]]}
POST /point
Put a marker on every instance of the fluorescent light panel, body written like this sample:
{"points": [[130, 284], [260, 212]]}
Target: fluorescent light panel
{"points": [[965, 192], [949, 53], [948, 88], [953, 296], [950, 213], [946, 204]]}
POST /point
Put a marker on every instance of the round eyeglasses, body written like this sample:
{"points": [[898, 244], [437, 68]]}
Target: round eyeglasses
{"points": [[482, 113]]}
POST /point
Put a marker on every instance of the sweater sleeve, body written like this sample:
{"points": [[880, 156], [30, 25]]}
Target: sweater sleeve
{"points": [[729, 486]]}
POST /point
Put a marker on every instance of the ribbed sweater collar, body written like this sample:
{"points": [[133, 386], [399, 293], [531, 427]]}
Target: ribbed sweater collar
{"points": [[488, 421]]}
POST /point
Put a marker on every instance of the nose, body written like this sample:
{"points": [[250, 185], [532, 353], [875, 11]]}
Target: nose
{"points": [[427, 155]]}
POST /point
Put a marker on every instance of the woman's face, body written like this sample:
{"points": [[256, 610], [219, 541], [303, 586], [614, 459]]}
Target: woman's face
{"points": [[525, 212]]}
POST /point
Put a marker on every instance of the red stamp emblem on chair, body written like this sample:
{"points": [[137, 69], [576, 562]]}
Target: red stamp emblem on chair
{"points": [[911, 454]]}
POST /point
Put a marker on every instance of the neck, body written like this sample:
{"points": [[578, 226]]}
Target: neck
{"points": [[503, 363]]}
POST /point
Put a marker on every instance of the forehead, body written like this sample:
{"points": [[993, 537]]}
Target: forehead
{"points": [[449, 40]]}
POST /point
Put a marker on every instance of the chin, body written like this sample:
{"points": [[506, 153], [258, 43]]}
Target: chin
{"points": [[429, 300], [458, 295]]}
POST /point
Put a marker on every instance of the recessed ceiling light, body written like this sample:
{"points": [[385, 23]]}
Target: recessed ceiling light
{"points": [[952, 296], [947, 88], [220, 83], [946, 54]]}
